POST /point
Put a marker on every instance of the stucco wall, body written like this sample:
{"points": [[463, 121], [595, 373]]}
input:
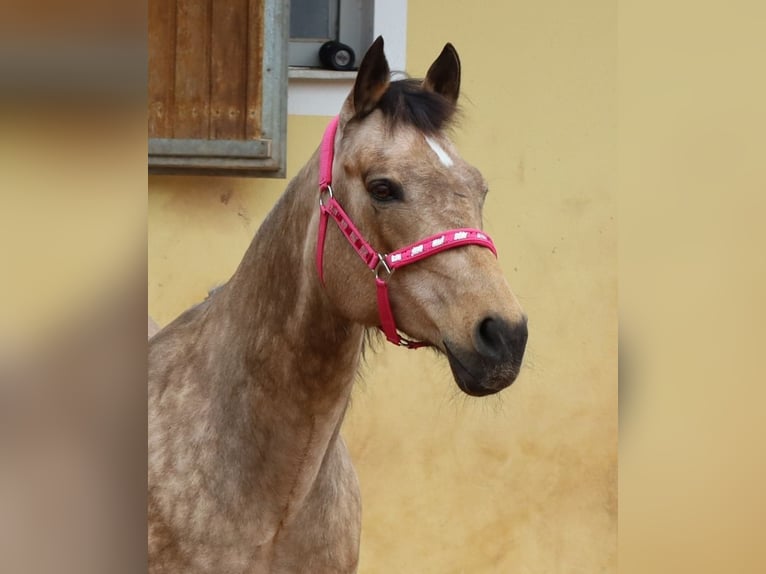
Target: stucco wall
{"points": [[520, 482]]}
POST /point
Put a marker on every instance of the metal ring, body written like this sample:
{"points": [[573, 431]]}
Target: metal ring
{"points": [[388, 270], [328, 190]]}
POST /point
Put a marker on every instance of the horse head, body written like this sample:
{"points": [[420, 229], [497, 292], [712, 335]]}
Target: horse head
{"points": [[400, 178]]}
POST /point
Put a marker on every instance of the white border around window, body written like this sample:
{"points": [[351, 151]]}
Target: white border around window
{"points": [[319, 93]]}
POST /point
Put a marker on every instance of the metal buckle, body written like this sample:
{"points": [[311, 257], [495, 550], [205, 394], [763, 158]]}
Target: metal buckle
{"points": [[382, 263], [328, 191]]}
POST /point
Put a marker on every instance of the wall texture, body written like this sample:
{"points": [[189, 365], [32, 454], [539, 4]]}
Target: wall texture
{"points": [[520, 482]]}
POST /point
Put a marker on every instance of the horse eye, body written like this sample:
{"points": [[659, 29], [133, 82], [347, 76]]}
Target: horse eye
{"points": [[384, 190]]}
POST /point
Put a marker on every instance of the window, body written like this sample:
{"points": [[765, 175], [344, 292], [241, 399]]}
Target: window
{"points": [[314, 91], [218, 76], [314, 22], [217, 86]]}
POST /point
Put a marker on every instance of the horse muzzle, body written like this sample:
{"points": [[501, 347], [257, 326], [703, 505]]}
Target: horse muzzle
{"points": [[494, 361]]}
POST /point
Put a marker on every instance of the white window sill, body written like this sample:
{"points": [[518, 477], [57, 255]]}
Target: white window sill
{"points": [[299, 73]]}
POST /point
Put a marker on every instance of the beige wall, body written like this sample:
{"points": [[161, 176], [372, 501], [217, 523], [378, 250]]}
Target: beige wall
{"points": [[520, 482]]}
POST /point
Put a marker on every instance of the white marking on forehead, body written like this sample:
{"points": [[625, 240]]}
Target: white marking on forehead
{"points": [[439, 151]]}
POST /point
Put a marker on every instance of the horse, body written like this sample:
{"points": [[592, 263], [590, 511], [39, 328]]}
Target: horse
{"points": [[247, 471]]}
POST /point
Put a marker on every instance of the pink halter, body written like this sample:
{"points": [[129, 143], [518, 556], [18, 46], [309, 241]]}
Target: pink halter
{"points": [[381, 265]]}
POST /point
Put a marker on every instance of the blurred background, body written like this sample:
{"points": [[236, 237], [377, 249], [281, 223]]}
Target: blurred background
{"points": [[650, 114]]}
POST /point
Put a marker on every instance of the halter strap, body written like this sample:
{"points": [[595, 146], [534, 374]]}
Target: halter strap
{"points": [[326, 153], [383, 266]]}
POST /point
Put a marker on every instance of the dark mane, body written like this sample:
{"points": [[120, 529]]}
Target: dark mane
{"points": [[405, 102]]}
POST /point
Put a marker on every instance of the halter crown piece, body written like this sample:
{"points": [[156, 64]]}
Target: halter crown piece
{"points": [[382, 266]]}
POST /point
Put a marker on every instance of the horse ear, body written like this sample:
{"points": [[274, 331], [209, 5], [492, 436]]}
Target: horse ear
{"points": [[443, 76], [372, 79]]}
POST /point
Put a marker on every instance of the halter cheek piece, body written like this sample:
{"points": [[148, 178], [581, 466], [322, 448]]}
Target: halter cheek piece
{"points": [[383, 266]]}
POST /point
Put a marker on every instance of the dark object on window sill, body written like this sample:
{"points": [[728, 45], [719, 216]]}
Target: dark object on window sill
{"points": [[336, 56]]}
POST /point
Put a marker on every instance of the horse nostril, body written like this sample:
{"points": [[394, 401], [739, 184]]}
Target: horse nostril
{"points": [[488, 338], [497, 339]]}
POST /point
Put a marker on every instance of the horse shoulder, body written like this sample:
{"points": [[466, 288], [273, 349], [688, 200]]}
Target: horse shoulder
{"points": [[176, 422]]}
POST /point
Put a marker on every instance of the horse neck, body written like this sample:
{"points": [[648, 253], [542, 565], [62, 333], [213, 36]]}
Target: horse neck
{"points": [[285, 360], [278, 306]]}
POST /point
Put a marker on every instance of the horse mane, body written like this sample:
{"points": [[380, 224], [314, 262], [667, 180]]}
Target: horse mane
{"points": [[406, 102]]}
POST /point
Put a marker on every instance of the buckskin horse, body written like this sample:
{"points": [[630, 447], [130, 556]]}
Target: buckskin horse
{"points": [[248, 390]]}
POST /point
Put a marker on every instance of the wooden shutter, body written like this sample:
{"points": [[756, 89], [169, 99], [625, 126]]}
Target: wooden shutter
{"points": [[217, 86]]}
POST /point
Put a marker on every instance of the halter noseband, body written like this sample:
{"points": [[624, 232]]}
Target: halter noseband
{"points": [[381, 265]]}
